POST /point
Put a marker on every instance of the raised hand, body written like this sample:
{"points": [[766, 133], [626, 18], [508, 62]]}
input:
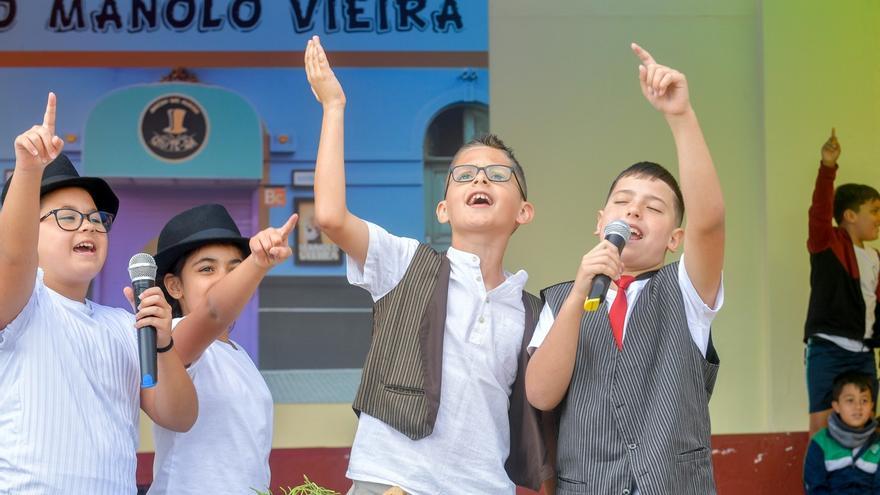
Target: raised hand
{"points": [[831, 150], [665, 88], [39, 145], [324, 84], [270, 247]]}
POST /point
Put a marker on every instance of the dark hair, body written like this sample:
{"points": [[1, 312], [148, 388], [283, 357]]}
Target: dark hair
{"points": [[177, 269], [863, 381], [852, 197], [492, 141], [653, 171]]}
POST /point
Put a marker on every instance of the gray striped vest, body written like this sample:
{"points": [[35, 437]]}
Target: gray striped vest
{"points": [[400, 384], [640, 416]]}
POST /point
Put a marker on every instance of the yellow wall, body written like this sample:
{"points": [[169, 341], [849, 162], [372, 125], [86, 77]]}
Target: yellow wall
{"points": [[822, 69], [767, 81]]}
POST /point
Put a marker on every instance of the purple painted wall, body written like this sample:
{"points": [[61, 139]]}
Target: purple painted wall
{"points": [[143, 211]]}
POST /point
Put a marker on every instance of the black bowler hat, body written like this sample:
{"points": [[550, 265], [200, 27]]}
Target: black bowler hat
{"points": [[196, 227], [60, 173]]}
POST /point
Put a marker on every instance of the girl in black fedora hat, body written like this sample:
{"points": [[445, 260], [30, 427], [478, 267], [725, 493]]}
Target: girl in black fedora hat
{"points": [[69, 376], [209, 272]]}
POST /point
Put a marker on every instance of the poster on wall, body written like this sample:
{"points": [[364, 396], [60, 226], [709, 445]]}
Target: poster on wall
{"points": [[313, 247]]}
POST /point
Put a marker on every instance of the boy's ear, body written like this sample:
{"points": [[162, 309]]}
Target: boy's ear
{"points": [[442, 214], [675, 239], [526, 213], [849, 215], [836, 406], [173, 285]]}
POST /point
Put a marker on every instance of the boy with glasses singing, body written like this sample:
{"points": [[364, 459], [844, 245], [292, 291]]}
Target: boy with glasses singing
{"points": [[442, 400], [69, 376]]}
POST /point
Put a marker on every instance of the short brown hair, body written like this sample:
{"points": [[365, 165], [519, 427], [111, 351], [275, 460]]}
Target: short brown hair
{"points": [[492, 141], [852, 197], [862, 381], [653, 171]]}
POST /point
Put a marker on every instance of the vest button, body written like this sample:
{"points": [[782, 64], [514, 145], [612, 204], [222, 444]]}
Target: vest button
{"points": [[632, 446], [626, 491]]}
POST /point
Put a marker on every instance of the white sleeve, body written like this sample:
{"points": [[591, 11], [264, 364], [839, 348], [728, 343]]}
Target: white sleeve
{"points": [[20, 324], [699, 315], [388, 257], [545, 321]]}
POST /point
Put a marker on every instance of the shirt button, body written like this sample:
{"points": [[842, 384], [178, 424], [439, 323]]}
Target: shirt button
{"points": [[482, 319], [478, 278], [487, 300], [475, 259], [632, 446]]}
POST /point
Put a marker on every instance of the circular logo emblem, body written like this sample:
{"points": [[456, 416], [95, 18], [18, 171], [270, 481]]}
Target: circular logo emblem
{"points": [[174, 128]]}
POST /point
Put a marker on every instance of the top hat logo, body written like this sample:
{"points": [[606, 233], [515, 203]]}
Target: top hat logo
{"points": [[174, 128], [175, 121]]}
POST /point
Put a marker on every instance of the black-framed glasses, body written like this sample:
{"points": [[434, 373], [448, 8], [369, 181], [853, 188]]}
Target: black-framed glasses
{"points": [[71, 220], [495, 173]]}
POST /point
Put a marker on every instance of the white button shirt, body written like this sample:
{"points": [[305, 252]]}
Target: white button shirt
{"points": [[481, 344], [69, 398]]}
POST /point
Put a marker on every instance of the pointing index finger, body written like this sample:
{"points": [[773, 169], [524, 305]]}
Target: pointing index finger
{"points": [[288, 226], [643, 54], [49, 116]]}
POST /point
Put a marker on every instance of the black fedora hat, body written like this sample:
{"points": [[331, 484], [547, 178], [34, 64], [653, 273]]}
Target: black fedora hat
{"points": [[60, 173], [193, 228]]}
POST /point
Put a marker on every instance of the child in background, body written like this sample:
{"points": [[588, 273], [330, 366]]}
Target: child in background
{"points": [[842, 458], [842, 314]]}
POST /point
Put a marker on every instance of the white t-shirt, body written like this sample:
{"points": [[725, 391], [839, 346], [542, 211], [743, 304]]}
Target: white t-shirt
{"points": [[481, 344], [869, 266], [227, 450], [69, 398], [699, 315]]}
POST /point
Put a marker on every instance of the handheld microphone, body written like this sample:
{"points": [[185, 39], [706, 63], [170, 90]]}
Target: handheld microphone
{"points": [[617, 233], [142, 270]]}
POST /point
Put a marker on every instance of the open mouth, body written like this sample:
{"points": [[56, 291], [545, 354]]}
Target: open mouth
{"points": [[635, 234], [479, 199], [87, 247]]}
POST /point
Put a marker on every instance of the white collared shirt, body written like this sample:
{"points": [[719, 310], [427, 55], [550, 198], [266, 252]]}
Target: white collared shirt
{"points": [[69, 398], [481, 345]]}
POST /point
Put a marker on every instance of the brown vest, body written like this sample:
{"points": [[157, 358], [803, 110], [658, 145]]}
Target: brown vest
{"points": [[400, 384]]}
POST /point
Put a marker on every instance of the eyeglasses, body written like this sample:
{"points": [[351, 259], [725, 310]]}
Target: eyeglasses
{"points": [[71, 220], [495, 173]]}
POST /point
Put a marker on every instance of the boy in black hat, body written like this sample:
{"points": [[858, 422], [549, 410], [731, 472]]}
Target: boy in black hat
{"points": [[69, 375]]}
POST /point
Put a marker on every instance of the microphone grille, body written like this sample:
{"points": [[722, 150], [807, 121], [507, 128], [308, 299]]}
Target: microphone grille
{"points": [[619, 228], [142, 266]]}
